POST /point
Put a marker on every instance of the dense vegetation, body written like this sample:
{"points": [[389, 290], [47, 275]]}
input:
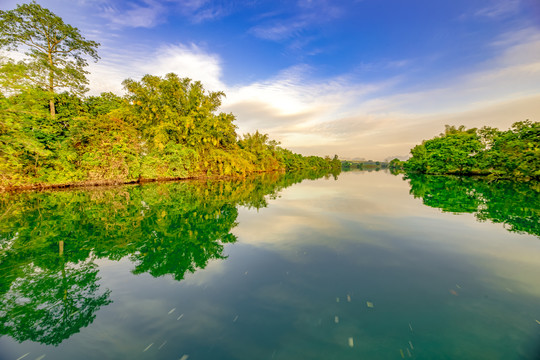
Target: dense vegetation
{"points": [[50, 241], [163, 127], [514, 153]]}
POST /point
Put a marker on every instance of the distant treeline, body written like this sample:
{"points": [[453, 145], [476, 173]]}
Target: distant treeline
{"points": [[364, 165], [511, 154]]}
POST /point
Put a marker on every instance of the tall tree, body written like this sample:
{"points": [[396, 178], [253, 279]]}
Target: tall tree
{"points": [[56, 51], [178, 110]]}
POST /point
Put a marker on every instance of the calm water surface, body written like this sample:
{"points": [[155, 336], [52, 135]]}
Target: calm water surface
{"points": [[368, 266]]}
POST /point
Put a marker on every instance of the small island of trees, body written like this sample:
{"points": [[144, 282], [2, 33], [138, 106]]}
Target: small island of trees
{"points": [[512, 154], [161, 128]]}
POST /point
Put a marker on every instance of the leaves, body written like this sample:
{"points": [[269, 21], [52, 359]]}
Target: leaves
{"points": [[56, 51], [514, 153]]}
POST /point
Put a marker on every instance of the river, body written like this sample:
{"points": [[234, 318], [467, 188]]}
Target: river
{"points": [[365, 265]]}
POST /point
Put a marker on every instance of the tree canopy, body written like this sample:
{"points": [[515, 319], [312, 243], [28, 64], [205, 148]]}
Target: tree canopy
{"points": [[56, 51], [514, 153]]}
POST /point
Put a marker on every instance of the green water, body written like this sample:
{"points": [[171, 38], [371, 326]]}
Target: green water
{"points": [[365, 266]]}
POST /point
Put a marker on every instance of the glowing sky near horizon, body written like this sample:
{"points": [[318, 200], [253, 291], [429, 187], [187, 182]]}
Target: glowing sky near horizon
{"points": [[359, 78]]}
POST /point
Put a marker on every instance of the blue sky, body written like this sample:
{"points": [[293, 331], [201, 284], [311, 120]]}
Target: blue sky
{"points": [[358, 78]]}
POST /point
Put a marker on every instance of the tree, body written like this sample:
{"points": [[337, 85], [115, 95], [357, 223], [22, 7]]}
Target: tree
{"points": [[55, 50], [514, 153], [178, 110], [453, 152], [395, 163]]}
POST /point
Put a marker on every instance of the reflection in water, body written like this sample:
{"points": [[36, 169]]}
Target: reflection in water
{"points": [[517, 205], [49, 284], [50, 305]]}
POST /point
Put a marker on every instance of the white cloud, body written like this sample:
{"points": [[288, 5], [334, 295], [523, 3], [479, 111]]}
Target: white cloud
{"points": [[290, 104], [185, 60], [203, 10]]}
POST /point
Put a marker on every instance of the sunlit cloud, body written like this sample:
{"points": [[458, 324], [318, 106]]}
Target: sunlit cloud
{"points": [[291, 101], [376, 120], [189, 61]]}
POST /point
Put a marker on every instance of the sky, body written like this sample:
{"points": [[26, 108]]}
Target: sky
{"points": [[358, 78]]}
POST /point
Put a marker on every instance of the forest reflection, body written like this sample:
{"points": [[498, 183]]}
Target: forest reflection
{"points": [[514, 204], [49, 241]]}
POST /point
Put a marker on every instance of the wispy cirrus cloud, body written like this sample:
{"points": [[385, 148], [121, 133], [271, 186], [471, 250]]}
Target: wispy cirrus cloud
{"points": [[198, 11], [147, 14], [500, 8], [281, 30], [280, 26], [150, 13]]}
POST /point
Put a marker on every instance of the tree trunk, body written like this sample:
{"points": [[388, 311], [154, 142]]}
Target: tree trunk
{"points": [[51, 85], [51, 107]]}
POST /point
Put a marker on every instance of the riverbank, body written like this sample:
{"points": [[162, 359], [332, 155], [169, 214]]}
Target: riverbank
{"points": [[174, 134], [201, 177]]}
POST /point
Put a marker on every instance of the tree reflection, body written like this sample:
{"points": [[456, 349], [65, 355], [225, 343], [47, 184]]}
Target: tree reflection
{"points": [[49, 288], [515, 204], [49, 305]]}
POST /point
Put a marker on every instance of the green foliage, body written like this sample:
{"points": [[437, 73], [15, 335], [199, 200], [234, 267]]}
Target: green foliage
{"points": [[56, 51], [515, 204], [103, 104], [105, 149], [514, 153], [172, 109], [395, 164], [21, 127], [107, 138]]}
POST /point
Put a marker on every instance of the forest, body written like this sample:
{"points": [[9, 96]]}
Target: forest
{"points": [[162, 127], [509, 154]]}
